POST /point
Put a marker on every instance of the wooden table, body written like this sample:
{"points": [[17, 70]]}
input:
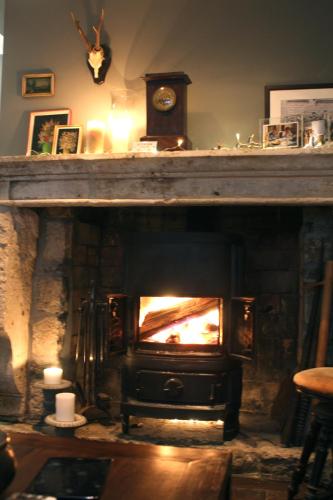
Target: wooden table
{"points": [[138, 472]]}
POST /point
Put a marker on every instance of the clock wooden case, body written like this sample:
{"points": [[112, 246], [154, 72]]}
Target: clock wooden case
{"points": [[166, 95]]}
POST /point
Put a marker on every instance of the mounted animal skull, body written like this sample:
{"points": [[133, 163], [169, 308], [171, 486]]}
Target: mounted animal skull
{"points": [[98, 55]]}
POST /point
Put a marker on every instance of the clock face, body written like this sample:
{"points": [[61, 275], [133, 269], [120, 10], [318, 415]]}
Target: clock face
{"points": [[164, 98]]}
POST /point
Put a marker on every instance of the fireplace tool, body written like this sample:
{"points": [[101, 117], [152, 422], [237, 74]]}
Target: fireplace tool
{"points": [[91, 349]]}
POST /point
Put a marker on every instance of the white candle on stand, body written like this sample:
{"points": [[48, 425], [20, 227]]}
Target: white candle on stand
{"points": [[65, 407], [52, 376]]}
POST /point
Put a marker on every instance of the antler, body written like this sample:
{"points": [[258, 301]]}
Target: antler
{"points": [[82, 33], [98, 31]]}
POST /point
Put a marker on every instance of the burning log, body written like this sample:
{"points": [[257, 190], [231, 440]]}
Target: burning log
{"points": [[158, 320]]}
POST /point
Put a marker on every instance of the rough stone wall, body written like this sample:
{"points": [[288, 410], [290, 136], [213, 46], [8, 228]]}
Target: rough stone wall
{"points": [[18, 242], [49, 318], [271, 237], [317, 248]]}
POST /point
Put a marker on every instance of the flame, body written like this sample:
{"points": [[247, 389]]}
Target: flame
{"points": [[201, 329], [152, 304]]}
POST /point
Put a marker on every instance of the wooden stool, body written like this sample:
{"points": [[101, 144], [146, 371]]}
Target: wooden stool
{"points": [[316, 382]]}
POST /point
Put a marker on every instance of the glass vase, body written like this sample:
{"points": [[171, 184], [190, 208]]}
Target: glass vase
{"points": [[121, 120]]}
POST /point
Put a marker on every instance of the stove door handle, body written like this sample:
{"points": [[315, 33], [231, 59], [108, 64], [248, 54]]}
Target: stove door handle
{"points": [[173, 386]]}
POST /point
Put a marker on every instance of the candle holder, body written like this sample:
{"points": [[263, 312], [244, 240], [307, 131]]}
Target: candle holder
{"points": [[120, 122], [95, 136], [63, 418], [65, 428], [49, 395]]}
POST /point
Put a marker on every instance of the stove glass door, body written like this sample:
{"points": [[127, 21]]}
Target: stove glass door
{"points": [[181, 320]]}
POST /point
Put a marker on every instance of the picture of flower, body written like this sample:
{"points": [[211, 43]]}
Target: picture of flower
{"points": [[46, 132], [42, 126], [68, 142], [67, 139]]}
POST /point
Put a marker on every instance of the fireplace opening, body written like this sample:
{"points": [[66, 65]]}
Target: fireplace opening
{"points": [[249, 260]]}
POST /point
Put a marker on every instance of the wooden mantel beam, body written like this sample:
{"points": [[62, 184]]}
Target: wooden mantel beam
{"points": [[223, 177]]}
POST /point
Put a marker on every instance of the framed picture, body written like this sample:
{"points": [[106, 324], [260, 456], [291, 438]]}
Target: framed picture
{"points": [[281, 135], [314, 102], [41, 129], [67, 139], [38, 85]]}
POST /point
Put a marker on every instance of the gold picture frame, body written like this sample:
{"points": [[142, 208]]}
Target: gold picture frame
{"points": [[67, 139], [41, 129], [38, 85]]}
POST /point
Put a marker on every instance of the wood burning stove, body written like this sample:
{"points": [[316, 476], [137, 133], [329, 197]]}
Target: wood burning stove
{"points": [[185, 316]]}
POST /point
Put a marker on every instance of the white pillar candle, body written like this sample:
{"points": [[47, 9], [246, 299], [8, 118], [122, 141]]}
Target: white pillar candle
{"points": [[65, 407], [52, 376], [318, 127], [95, 137]]}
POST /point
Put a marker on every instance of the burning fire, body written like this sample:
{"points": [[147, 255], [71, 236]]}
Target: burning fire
{"points": [[179, 320], [154, 304]]}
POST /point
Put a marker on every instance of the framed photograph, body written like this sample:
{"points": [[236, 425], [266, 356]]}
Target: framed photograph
{"points": [[314, 102], [281, 135], [41, 129], [67, 139], [38, 85]]}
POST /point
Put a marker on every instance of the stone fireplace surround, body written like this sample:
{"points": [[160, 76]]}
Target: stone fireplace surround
{"points": [[37, 234]]}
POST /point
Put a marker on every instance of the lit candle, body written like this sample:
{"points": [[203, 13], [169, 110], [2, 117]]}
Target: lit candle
{"points": [[65, 407], [120, 127], [95, 137], [52, 376]]}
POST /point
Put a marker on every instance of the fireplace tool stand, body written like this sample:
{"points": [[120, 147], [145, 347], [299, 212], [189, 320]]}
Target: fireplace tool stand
{"points": [[90, 355]]}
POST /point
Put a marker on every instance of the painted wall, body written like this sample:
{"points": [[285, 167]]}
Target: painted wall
{"points": [[230, 50], [2, 14]]}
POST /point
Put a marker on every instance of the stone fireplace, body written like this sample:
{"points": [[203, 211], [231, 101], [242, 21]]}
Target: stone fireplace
{"points": [[64, 223]]}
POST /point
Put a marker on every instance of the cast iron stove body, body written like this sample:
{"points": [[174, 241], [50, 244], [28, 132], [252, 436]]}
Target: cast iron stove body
{"points": [[184, 320]]}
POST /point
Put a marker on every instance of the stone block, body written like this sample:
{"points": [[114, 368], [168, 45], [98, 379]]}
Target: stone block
{"points": [[111, 277], [80, 255], [252, 396], [112, 255], [87, 234], [110, 238], [47, 337], [272, 259], [92, 256], [18, 242], [12, 405], [83, 276], [49, 294], [55, 243], [277, 281]]}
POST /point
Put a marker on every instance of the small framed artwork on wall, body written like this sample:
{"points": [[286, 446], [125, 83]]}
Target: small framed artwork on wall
{"points": [[41, 129], [38, 85], [67, 139]]}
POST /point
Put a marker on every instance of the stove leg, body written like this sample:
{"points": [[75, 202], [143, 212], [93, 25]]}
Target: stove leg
{"points": [[231, 423], [125, 419]]}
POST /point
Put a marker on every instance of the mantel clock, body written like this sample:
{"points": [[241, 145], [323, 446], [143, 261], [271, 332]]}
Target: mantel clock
{"points": [[166, 95]]}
